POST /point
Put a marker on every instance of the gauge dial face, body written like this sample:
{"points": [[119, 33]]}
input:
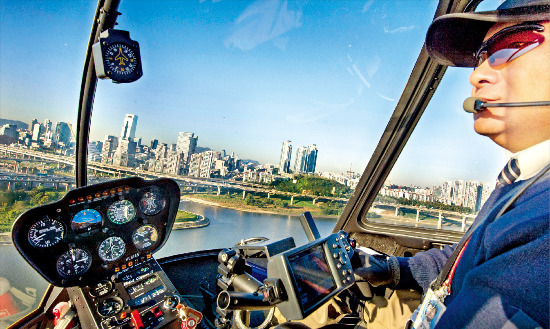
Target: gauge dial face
{"points": [[152, 203], [86, 220], [73, 262], [109, 306], [145, 237], [121, 212], [46, 233], [120, 59], [112, 248], [101, 288]]}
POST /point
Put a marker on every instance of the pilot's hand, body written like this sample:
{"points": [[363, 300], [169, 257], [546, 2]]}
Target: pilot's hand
{"points": [[377, 270]]}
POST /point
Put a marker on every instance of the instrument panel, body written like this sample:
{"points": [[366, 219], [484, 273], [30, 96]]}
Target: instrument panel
{"points": [[97, 231]]}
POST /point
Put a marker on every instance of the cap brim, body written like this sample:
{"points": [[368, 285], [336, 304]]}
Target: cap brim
{"points": [[453, 39]]}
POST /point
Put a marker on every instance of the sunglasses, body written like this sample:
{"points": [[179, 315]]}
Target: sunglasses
{"points": [[509, 43]]}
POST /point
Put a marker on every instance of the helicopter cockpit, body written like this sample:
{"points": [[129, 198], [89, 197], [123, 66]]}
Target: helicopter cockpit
{"points": [[265, 244]]}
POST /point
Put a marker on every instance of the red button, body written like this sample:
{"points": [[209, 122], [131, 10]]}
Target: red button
{"points": [[157, 312]]}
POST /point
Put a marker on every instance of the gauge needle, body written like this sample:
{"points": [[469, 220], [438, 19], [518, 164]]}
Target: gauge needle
{"points": [[40, 236]]}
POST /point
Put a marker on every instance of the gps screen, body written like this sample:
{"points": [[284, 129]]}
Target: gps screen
{"points": [[312, 274]]}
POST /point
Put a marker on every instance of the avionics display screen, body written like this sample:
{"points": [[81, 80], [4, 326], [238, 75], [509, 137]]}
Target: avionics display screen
{"points": [[312, 276]]}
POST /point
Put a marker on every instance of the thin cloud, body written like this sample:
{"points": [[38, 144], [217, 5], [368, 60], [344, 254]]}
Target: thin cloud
{"points": [[356, 70], [367, 6], [384, 97], [263, 21], [399, 29]]}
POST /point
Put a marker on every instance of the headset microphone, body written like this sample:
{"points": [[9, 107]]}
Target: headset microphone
{"points": [[474, 104]]}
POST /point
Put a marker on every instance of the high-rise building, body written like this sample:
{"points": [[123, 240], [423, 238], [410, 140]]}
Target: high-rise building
{"points": [[458, 192], [286, 153], [311, 158], [154, 144], [128, 131], [110, 144], [301, 159], [62, 133], [36, 131], [47, 125], [187, 143], [125, 154], [31, 125], [306, 159]]}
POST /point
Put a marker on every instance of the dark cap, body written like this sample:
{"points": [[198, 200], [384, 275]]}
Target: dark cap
{"points": [[453, 39]]}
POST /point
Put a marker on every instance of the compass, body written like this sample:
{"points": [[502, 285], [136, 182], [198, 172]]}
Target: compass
{"points": [[117, 57]]}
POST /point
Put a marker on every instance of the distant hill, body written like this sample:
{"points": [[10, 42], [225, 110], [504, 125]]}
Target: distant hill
{"points": [[19, 124]]}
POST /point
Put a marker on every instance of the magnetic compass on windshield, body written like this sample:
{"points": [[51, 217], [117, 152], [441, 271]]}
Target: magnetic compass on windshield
{"points": [[46, 233], [121, 212], [117, 57]]}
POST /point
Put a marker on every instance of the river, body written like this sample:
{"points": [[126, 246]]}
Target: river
{"points": [[227, 227]]}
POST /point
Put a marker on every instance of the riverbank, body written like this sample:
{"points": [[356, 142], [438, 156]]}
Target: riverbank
{"points": [[296, 211]]}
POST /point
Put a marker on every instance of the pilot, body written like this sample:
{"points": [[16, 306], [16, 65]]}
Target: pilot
{"points": [[498, 275]]}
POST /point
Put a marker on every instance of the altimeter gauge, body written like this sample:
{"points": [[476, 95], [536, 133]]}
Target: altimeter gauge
{"points": [[46, 233], [117, 57], [112, 249], [73, 262]]}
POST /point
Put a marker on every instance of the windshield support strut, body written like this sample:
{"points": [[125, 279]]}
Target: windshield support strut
{"points": [[105, 18]]}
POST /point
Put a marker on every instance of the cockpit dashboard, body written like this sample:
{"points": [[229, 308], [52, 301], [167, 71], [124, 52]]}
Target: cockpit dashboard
{"points": [[97, 231]]}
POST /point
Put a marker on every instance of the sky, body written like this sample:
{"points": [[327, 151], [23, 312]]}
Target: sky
{"points": [[246, 76]]}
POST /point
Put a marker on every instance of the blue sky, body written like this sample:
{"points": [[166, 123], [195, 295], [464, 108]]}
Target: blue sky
{"points": [[246, 76]]}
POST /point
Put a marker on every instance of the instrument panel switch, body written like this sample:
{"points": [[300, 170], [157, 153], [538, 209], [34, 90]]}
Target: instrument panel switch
{"points": [[136, 319]]}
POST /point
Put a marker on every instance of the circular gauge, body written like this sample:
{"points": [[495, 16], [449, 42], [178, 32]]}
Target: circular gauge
{"points": [[86, 220], [110, 306], [73, 262], [145, 237], [121, 212], [120, 59], [46, 232], [101, 288], [152, 203], [112, 248]]}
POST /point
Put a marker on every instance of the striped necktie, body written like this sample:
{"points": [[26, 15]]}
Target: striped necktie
{"points": [[509, 174]]}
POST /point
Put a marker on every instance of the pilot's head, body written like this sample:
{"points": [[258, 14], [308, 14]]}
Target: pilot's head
{"points": [[510, 51]]}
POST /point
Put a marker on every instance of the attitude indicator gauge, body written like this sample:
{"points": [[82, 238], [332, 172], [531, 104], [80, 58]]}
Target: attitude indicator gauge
{"points": [[46, 233], [86, 220], [117, 57]]}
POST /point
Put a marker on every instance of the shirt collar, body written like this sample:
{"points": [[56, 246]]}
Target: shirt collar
{"points": [[532, 159]]}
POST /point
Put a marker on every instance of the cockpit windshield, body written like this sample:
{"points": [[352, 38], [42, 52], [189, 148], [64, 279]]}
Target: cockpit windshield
{"points": [[260, 110]]}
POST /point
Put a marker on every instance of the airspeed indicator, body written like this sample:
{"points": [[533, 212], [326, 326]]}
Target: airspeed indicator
{"points": [[46, 233]]}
